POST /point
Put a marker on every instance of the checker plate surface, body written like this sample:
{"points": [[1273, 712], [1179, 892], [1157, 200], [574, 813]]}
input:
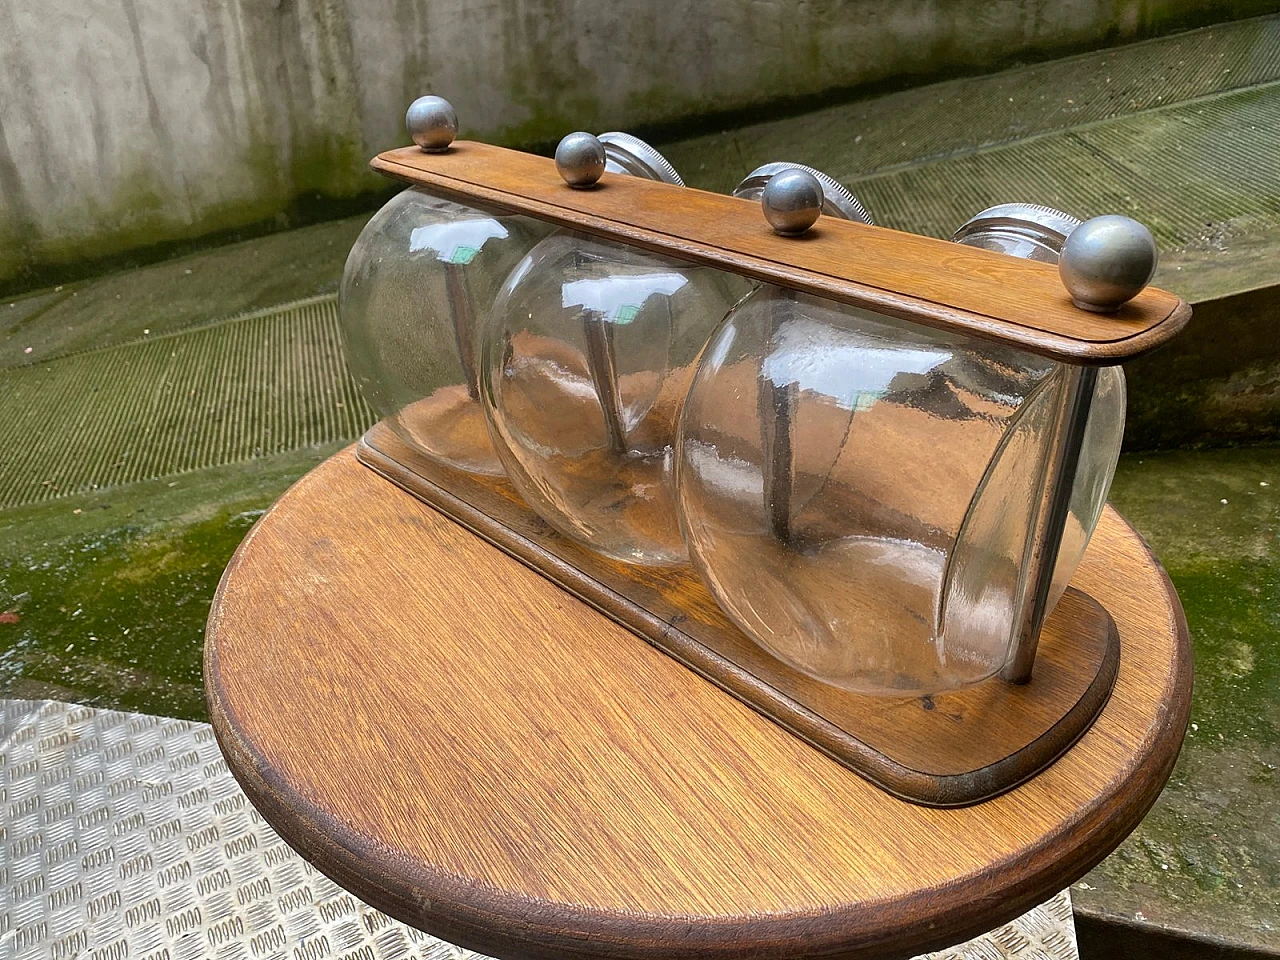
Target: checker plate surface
{"points": [[124, 835]]}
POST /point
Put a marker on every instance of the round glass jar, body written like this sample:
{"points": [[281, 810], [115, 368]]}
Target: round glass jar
{"points": [[859, 492], [587, 357], [831, 462], [417, 284]]}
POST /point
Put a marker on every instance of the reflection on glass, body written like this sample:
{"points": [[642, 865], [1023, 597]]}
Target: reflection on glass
{"points": [[420, 278], [587, 358], [1099, 454], [856, 490]]}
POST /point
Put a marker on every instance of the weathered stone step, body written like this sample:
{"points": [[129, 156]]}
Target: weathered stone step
{"points": [[271, 381], [1178, 132], [1206, 861]]}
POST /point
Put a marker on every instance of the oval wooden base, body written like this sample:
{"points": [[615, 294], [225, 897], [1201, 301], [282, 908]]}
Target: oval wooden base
{"points": [[470, 748], [947, 750]]}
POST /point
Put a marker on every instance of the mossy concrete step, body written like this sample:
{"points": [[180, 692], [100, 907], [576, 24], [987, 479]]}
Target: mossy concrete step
{"points": [[146, 419], [104, 594], [268, 382], [190, 291], [1178, 132], [1206, 861]]}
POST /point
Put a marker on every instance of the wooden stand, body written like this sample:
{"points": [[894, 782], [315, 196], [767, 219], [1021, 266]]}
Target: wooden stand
{"points": [[465, 745], [947, 750]]}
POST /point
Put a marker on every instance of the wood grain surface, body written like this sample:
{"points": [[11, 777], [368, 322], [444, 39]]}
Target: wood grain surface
{"points": [[946, 750], [929, 281], [468, 747]]}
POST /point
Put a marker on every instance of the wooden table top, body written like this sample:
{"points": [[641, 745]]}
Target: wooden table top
{"points": [[473, 750]]}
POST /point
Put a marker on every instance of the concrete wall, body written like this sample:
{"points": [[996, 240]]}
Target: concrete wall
{"points": [[126, 124]]}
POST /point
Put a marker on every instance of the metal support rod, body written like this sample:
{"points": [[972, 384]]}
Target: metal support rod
{"points": [[602, 364], [464, 328], [1076, 400], [776, 404]]}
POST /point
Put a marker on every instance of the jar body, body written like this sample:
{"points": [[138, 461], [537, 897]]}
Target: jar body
{"points": [[859, 492], [1099, 454], [418, 282], [587, 358]]}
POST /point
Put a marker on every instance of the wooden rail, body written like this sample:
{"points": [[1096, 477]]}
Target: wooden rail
{"points": [[932, 282]]}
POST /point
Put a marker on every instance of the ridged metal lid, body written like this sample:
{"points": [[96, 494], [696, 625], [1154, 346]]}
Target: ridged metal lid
{"points": [[1055, 223], [631, 155], [837, 199]]}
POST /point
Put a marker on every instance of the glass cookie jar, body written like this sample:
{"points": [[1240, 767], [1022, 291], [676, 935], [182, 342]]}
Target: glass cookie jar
{"points": [[422, 275], [587, 357], [866, 497]]}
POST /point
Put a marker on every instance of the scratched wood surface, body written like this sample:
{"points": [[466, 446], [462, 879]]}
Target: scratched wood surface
{"points": [[472, 749], [947, 750], [930, 281]]}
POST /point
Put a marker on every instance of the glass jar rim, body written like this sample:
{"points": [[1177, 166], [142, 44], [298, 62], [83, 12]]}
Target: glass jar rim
{"points": [[631, 155], [1020, 216]]}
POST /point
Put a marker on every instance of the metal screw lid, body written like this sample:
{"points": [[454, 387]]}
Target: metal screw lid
{"points": [[837, 199], [1049, 226], [631, 155]]}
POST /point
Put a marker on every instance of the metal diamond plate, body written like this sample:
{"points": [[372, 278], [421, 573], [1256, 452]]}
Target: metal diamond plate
{"points": [[124, 835], [1047, 932]]}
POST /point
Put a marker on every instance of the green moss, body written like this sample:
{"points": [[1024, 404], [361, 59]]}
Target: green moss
{"points": [[118, 616], [1208, 855], [329, 179], [1235, 624], [333, 166], [548, 118], [15, 258], [103, 597]]}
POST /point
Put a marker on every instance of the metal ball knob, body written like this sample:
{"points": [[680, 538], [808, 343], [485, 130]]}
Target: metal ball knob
{"points": [[432, 122], [580, 159], [792, 201], [1106, 262]]}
